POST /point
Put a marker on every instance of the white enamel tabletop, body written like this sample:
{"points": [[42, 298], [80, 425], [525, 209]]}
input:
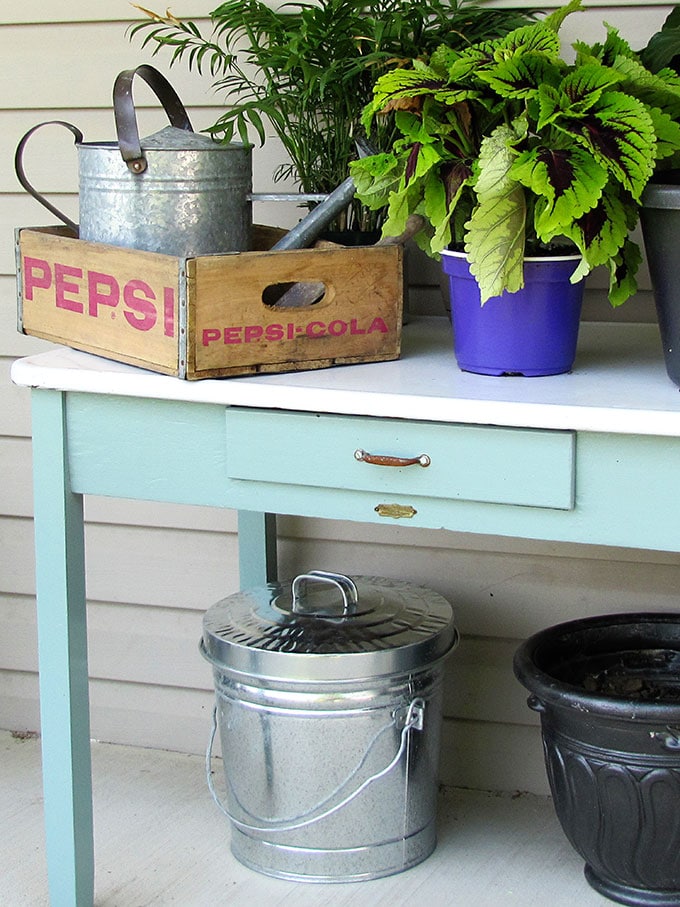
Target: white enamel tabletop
{"points": [[619, 384]]}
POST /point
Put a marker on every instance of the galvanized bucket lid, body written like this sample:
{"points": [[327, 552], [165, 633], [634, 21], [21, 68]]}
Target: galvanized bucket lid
{"points": [[326, 626]]}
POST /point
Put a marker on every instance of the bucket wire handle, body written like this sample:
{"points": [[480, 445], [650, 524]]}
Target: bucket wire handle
{"points": [[414, 721], [126, 117], [23, 179]]}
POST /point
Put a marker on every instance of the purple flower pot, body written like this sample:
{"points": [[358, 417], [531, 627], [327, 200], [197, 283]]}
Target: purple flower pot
{"points": [[531, 332]]}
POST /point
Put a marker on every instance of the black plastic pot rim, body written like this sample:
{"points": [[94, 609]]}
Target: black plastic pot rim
{"points": [[553, 691], [661, 195]]}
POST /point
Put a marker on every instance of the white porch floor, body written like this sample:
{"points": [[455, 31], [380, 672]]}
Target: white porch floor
{"points": [[161, 840]]}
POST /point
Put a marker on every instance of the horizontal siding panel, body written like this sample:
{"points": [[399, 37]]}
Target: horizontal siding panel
{"points": [[473, 754], [19, 703], [16, 488], [44, 55], [15, 414], [160, 646], [128, 564], [37, 11], [499, 594], [156, 645], [480, 684], [125, 713], [492, 757], [69, 66]]}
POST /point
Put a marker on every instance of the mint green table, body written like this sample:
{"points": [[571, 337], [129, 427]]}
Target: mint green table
{"points": [[590, 457]]}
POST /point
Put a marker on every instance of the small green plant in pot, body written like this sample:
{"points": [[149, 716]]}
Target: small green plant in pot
{"points": [[510, 154], [306, 70]]}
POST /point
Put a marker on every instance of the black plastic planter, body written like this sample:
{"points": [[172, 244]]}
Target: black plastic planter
{"points": [[660, 219], [608, 693]]}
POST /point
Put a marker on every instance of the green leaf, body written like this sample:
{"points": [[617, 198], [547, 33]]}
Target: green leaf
{"points": [[401, 206], [667, 130], [550, 102], [614, 46], [496, 231], [375, 177], [555, 19], [664, 47]]}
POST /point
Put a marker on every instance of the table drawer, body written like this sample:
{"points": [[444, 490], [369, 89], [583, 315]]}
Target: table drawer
{"points": [[520, 466]]}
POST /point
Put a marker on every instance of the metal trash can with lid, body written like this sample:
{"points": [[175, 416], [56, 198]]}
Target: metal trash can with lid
{"points": [[329, 708]]}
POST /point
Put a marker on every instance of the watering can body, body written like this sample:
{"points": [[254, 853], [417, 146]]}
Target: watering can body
{"points": [[176, 192]]}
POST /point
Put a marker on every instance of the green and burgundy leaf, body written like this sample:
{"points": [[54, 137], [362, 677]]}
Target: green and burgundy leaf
{"points": [[620, 133], [569, 179], [421, 159], [441, 197], [520, 76], [605, 228], [584, 86], [537, 38], [466, 63], [660, 89], [399, 89], [622, 272], [614, 46]]}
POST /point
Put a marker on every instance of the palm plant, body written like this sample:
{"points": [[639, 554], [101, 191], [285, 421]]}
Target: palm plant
{"points": [[307, 71]]}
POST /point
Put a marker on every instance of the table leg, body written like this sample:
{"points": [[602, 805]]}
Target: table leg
{"points": [[256, 548], [62, 645]]}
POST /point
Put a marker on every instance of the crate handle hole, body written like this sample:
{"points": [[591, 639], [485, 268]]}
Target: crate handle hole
{"points": [[294, 295]]}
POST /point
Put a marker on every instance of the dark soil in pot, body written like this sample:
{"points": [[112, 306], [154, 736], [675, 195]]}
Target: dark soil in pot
{"points": [[641, 675]]}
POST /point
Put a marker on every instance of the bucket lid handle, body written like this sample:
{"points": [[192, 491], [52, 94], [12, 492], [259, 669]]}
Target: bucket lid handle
{"points": [[347, 587], [126, 118]]}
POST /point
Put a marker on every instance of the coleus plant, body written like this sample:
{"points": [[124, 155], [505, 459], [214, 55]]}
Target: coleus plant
{"points": [[507, 150]]}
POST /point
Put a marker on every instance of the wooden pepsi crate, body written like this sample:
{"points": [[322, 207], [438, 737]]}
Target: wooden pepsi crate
{"points": [[213, 315]]}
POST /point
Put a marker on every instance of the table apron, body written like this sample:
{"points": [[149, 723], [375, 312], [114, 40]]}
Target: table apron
{"points": [[624, 486]]}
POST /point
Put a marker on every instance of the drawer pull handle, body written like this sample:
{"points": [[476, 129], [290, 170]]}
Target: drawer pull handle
{"points": [[379, 460]]}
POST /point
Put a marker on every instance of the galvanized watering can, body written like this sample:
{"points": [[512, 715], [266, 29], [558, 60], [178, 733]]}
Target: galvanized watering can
{"points": [[176, 191], [329, 709]]}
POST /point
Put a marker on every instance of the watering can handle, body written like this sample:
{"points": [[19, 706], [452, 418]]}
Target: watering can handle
{"points": [[21, 174], [126, 117]]}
